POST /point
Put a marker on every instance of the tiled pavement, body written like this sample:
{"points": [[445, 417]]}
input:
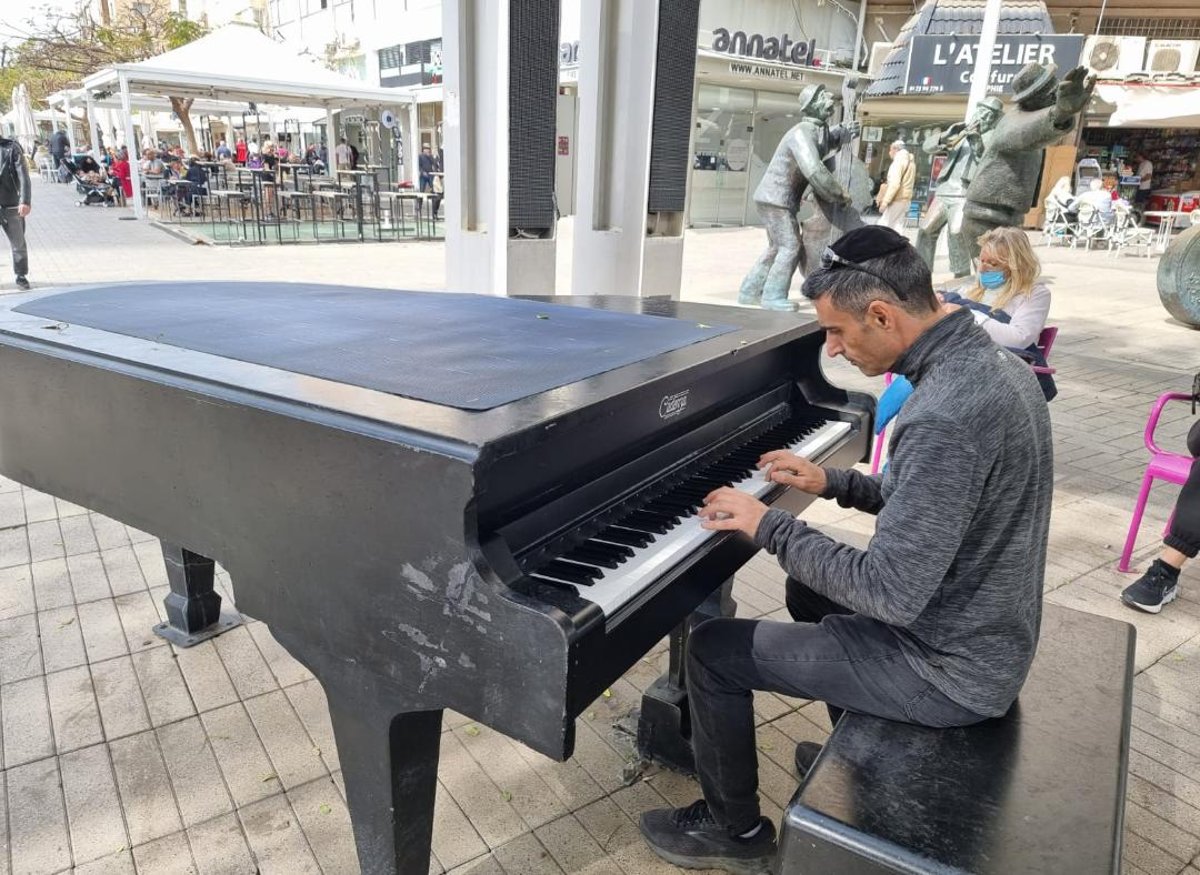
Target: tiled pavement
{"points": [[123, 754]]}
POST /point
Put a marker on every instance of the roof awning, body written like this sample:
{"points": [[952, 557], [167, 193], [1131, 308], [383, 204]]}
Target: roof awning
{"points": [[1146, 104], [265, 72]]}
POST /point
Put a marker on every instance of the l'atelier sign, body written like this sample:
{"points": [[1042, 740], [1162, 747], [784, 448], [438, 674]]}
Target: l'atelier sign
{"points": [[768, 48]]}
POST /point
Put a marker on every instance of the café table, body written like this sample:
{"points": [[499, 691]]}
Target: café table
{"points": [[1166, 225]]}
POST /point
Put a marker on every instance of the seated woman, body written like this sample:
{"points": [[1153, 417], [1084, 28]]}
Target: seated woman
{"points": [[1008, 302], [1014, 302]]}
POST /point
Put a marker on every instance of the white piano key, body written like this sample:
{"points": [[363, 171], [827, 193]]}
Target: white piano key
{"points": [[617, 586]]}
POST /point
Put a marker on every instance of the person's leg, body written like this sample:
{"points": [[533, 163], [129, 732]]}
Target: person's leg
{"points": [[14, 229], [785, 232], [930, 230], [848, 661], [1159, 586], [752, 286]]}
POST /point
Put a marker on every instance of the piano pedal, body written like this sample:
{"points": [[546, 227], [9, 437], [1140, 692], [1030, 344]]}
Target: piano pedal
{"points": [[664, 731]]}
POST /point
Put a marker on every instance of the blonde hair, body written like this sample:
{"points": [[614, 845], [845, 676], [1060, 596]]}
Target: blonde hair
{"points": [[1011, 248]]}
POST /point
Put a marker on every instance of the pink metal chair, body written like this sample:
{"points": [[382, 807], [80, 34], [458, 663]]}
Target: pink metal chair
{"points": [[1172, 467], [1045, 343]]}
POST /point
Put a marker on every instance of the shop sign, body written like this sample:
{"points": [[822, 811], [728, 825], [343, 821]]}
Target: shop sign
{"points": [[788, 74], [872, 134], [945, 63], [766, 48], [564, 145]]}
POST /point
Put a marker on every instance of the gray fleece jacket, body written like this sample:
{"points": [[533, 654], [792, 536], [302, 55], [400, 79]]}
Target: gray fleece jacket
{"points": [[957, 562]]}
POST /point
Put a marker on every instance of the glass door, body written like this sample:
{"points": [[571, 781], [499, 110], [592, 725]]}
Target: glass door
{"points": [[720, 164]]}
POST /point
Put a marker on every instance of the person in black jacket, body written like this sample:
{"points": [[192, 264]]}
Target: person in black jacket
{"points": [[14, 205]]}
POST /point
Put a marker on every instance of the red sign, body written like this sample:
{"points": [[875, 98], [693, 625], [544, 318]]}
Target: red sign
{"points": [[564, 145]]}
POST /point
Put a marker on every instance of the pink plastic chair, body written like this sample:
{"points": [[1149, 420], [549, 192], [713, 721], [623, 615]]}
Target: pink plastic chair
{"points": [[1172, 467], [1045, 343]]}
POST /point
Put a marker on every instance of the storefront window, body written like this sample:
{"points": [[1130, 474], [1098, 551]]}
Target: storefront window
{"points": [[720, 164]]}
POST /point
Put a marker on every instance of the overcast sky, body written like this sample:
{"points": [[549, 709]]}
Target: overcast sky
{"points": [[15, 13]]}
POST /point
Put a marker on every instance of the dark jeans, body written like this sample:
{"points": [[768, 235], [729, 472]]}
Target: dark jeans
{"points": [[14, 229], [1184, 534], [846, 660]]}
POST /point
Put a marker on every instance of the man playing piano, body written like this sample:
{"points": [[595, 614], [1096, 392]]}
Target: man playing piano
{"points": [[936, 622]]}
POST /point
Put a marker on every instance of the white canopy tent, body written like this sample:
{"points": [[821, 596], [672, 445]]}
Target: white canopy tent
{"points": [[235, 63], [1153, 104]]}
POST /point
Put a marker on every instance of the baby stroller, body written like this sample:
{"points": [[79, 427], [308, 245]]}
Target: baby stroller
{"points": [[93, 184]]}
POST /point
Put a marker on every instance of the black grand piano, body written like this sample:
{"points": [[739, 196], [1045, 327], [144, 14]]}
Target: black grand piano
{"points": [[433, 500]]}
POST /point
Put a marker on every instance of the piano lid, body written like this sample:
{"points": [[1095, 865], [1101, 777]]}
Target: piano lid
{"points": [[471, 352]]}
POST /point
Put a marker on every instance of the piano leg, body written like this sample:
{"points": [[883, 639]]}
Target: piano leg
{"points": [[193, 606], [389, 765], [664, 733]]}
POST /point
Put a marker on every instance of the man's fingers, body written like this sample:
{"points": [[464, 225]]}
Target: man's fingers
{"points": [[720, 524]]}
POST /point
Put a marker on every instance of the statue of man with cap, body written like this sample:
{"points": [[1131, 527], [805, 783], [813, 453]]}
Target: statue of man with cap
{"points": [[799, 164], [1004, 186], [963, 144]]}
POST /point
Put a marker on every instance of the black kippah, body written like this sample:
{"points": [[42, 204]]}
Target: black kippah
{"points": [[870, 241]]}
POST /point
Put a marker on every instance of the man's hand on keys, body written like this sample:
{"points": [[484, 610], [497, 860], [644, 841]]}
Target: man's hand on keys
{"points": [[727, 509], [791, 470]]}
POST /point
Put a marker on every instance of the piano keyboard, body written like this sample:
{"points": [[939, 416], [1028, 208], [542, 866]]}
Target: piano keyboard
{"points": [[618, 562]]}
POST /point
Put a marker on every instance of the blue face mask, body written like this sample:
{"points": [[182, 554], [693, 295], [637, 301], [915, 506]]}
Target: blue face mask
{"points": [[993, 279]]}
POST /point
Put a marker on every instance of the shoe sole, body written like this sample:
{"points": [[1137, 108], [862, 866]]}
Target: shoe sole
{"points": [[1153, 609], [761, 866]]}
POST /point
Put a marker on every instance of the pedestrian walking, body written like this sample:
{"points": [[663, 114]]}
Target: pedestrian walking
{"points": [[14, 205]]}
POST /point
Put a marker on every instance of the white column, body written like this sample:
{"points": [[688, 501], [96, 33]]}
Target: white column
{"points": [[480, 256], [93, 140], [617, 50], [412, 145], [70, 123], [135, 164], [331, 142], [983, 61]]}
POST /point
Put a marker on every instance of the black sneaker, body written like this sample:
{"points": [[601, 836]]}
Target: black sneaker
{"points": [[806, 754], [1157, 587], [23, 284], [691, 839]]}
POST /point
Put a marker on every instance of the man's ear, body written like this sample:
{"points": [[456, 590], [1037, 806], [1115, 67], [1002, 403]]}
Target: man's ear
{"points": [[880, 314]]}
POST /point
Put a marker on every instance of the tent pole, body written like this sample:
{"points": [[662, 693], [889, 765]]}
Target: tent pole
{"points": [[93, 140], [135, 165], [330, 143], [70, 123]]}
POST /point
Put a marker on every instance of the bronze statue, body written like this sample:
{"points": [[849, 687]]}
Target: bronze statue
{"points": [[963, 144], [1004, 186], [797, 167]]}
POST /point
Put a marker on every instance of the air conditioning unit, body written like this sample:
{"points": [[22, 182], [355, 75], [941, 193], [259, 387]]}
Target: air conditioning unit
{"points": [[1172, 55], [879, 54], [1112, 57]]}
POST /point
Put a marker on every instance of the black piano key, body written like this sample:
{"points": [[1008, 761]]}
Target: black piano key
{"points": [[593, 557], [669, 517], [679, 504], [572, 572], [618, 551], [647, 523], [562, 584], [626, 536]]}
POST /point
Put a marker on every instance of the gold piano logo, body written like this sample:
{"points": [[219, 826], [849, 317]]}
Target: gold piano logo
{"points": [[673, 405]]}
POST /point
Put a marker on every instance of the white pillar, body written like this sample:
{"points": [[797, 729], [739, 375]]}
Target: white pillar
{"points": [[412, 145], [330, 143], [480, 255], [70, 123], [983, 61], [135, 164], [617, 52], [93, 140]]}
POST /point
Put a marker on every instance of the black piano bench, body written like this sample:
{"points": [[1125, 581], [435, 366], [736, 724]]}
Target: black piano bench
{"points": [[1040, 790]]}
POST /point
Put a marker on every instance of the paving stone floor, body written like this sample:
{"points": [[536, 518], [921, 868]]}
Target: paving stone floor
{"points": [[122, 754]]}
